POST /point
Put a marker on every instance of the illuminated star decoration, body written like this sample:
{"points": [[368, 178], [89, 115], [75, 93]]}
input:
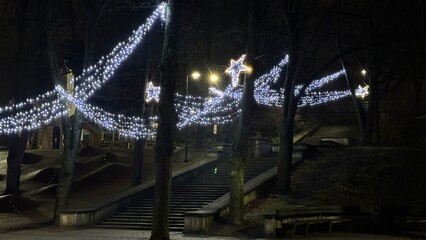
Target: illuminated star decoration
{"points": [[361, 91], [152, 93], [236, 68]]}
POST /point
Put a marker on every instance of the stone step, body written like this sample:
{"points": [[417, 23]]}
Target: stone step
{"points": [[177, 228], [197, 187], [150, 211], [189, 196], [174, 205], [139, 219]]}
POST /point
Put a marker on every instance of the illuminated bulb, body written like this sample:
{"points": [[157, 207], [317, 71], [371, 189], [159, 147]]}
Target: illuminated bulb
{"points": [[214, 78], [195, 75]]}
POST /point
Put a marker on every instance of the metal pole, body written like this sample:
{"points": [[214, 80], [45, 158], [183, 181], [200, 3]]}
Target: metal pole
{"points": [[186, 129]]}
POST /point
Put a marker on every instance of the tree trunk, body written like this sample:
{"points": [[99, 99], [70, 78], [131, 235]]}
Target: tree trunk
{"points": [[138, 158], [18, 142], [285, 155], [358, 105], [72, 142], [167, 119], [372, 112], [240, 148], [14, 160]]}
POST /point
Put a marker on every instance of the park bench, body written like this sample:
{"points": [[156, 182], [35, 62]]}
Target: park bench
{"points": [[300, 220], [343, 141], [404, 217]]}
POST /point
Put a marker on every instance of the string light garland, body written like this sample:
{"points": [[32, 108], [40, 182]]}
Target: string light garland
{"points": [[101, 71], [216, 92], [131, 127], [223, 107], [319, 98], [27, 103], [94, 78], [32, 119], [220, 109]]}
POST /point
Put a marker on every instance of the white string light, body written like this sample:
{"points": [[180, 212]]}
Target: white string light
{"points": [[220, 109], [95, 77]]}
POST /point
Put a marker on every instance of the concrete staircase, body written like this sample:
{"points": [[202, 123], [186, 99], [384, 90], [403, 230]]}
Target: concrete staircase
{"points": [[187, 196]]}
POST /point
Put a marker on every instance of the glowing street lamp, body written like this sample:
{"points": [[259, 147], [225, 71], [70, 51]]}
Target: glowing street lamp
{"points": [[363, 72], [214, 78], [195, 75]]}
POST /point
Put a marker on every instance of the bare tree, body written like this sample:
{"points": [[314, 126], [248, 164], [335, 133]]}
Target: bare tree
{"points": [[293, 22], [304, 21], [417, 35], [239, 150], [380, 28], [167, 119], [25, 59], [72, 130]]}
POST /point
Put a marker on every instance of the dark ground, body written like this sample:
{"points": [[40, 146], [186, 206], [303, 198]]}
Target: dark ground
{"points": [[369, 177]]}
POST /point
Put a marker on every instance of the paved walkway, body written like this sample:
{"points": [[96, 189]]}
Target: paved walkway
{"points": [[51, 233], [10, 223], [92, 234]]}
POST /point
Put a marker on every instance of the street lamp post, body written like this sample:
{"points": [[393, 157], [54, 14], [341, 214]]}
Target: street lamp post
{"points": [[213, 79], [195, 76]]}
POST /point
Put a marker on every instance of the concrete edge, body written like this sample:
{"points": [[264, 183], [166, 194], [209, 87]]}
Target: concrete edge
{"points": [[299, 137], [202, 220], [79, 179]]}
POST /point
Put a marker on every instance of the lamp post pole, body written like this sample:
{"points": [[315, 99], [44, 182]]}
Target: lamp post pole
{"points": [[213, 80], [195, 76], [186, 129]]}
